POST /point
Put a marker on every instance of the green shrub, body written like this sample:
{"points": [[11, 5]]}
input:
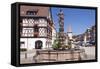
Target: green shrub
{"points": [[56, 45]]}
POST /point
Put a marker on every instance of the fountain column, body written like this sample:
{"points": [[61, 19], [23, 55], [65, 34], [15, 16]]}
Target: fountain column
{"points": [[61, 28]]}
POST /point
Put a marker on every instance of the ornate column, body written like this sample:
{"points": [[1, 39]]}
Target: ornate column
{"points": [[61, 28]]}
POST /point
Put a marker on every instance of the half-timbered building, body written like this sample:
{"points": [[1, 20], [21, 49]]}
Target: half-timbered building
{"points": [[36, 27]]}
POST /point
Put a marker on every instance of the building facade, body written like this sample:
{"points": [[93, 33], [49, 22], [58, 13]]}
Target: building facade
{"points": [[36, 27], [88, 35]]}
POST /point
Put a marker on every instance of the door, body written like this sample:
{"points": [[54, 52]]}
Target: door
{"points": [[38, 44]]}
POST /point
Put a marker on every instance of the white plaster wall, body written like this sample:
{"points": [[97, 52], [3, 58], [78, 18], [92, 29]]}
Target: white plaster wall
{"points": [[30, 42]]}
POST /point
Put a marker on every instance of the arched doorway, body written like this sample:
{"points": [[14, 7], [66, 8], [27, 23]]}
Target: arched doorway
{"points": [[38, 44]]}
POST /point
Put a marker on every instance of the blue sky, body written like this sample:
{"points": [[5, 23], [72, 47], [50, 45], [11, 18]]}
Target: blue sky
{"points": [[79, 19]]}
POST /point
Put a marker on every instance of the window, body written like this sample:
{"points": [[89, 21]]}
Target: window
{"points": [[33, 12], [22, 44], [27, 32]]}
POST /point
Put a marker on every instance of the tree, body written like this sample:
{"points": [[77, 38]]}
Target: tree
{"points": [[56, 44]]}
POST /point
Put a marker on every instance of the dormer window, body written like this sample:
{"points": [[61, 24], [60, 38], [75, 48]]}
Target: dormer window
{"points": [[32, 12]]}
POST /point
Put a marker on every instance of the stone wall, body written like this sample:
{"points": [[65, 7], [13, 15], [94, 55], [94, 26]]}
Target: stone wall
{"points": [[52, 55]]}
